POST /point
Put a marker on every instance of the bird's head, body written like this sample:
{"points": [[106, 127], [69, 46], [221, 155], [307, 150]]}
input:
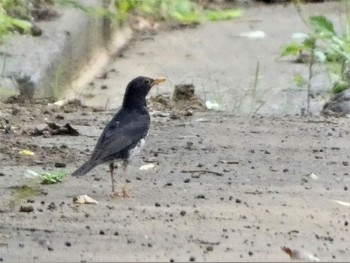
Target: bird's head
{"points": [[137, 90]]}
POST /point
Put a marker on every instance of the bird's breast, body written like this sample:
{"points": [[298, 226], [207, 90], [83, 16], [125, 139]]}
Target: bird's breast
{"points": [[136, 149]]}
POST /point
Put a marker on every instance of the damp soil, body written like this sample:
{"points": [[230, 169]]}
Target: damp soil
{"points": [[223, 188]]}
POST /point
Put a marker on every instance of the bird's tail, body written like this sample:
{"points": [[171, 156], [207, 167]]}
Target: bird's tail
{"points": [[84, 169]]}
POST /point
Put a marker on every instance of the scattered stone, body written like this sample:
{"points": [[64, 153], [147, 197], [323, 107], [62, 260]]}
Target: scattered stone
{"points": [[182, 212], [200, 196], [51, 206], [157, 204], [55, 129], [209, 248], [102, 232], [192, 259], [60, 165], [183, 92], [26, 208], [68, 244], [238, 201]]}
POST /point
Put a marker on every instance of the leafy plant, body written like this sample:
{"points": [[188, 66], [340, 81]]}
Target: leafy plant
{"points": [[52, 177], [8, 24], [323, 45], [182, 11], [48, 177]]}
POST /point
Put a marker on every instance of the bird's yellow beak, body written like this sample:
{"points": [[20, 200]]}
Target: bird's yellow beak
{"points": [[157, 81]]}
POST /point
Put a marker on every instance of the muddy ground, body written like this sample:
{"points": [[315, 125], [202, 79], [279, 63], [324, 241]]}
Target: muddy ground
{"points": [[224, 188]]}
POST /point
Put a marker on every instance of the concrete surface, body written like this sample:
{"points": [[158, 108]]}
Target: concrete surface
{"points": [[221, 63], [54, 60]]}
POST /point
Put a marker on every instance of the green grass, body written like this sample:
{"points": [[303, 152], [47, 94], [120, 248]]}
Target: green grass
{"points": [[181, 11], [23, 192]]}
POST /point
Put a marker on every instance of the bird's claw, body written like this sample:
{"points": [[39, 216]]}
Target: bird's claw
{"points": [[124, 193]]}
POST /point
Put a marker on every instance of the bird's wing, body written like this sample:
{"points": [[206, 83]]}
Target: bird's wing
{"points": [[124, 130]]}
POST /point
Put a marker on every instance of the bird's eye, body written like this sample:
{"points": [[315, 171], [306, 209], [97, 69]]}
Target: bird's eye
{"points": [[148, 81]]}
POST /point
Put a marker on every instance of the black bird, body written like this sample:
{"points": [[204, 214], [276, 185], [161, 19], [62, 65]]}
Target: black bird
{"points": [[125, 134]]}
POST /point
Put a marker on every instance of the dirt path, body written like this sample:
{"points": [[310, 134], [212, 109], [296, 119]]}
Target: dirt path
{"points": [[224, 188]]}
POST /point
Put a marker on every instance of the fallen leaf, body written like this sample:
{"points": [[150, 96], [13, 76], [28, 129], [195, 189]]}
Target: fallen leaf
{"points": [[342, 203], [147, 167], [300, 255], [31, 174], [254, 34], [212, 105], [84, 199], [27, 152], [313, 176]]}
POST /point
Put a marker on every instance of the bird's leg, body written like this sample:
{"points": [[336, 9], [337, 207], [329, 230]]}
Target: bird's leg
{"points": [[111, 169], [124, 191]]}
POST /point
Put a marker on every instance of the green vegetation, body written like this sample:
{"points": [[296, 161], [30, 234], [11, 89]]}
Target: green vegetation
{"points": [[20, 193], [181, 11], [9, 23], [25, 191], [52, 177], [323, 45], [17, 15]]}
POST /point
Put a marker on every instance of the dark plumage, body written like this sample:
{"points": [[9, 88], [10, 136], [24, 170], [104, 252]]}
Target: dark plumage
{"points": [[125, 133]]}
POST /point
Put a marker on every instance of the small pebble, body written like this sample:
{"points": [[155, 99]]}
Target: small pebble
{"points": [[60, 165], [68, 244], [51, 206], [238, 201], [182, 212], [102, 232], [192, 259], [157, 204], [209, 248], [26, 208]]}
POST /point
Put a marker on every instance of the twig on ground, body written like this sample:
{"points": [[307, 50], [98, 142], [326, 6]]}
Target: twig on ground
{"points": [[202, 171]]}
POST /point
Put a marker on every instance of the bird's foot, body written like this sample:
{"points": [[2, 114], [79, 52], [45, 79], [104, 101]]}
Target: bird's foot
{"points": [[124, 193]]}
